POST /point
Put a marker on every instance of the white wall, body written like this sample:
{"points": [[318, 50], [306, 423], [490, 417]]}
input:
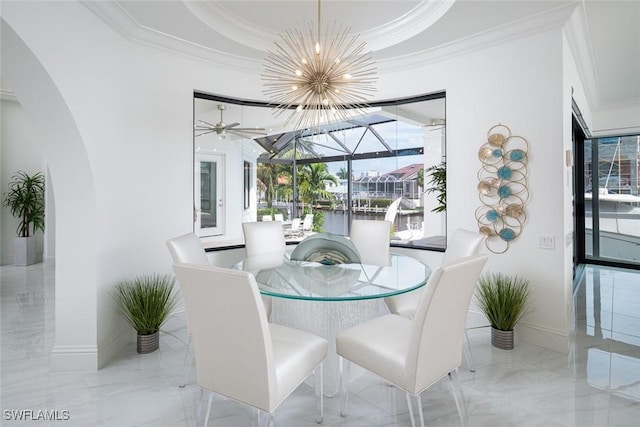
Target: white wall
{"points": [[121, 165], [518, 84], [132, 107]]}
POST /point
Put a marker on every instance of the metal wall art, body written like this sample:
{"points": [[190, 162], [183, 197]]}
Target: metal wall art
{"points": [[502, 188]]}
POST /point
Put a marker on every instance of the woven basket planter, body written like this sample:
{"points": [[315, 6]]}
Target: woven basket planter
{"points": [[148, 343], [502, 339]]}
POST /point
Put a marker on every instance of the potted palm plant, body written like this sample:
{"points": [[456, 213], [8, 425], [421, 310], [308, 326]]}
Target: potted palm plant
{"points": [[504, 301], [146, 302], [25, 200]]}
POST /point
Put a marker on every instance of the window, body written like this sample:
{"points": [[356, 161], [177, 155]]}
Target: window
{"points": [[369, 167], [608, 200]]}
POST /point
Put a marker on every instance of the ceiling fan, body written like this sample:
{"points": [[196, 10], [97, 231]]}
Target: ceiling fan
{"points": [[221, 129]]}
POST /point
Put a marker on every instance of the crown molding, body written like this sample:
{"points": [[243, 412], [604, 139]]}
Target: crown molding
{"points": [[125, 25], [577, 34], [408, 25], [220, 19], [112, 14], [542, 22]]}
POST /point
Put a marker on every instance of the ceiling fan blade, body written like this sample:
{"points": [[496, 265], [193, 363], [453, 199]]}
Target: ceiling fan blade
{"points": [[207, 123], [257, 131], [247, 134], [234, 124], [204, 131]]}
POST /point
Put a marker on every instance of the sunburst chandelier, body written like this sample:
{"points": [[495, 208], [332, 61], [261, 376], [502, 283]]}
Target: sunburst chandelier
{"points": [[319, 77]]}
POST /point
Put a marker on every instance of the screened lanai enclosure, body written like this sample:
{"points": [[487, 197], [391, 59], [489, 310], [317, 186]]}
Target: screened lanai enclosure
{"points": [[250, 166]]}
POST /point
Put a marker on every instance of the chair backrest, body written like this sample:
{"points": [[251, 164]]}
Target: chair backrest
{"points": [[267, 218], [187, 249], [463, 243], [371, 238], [392, 210], [295, 224], [263, 237], [438, 325], [307, 223], [278, 217], [234, 354]]}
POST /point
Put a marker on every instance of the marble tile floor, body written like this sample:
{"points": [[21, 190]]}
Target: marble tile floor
{"points": [[597, 384]]}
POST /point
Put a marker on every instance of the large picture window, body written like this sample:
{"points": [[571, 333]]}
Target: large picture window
{"points": [[370, 167]]}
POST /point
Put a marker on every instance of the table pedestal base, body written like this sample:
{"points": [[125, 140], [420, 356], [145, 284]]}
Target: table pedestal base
{"points": [[327, 319]]}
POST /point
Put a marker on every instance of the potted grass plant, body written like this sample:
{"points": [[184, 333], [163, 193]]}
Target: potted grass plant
{"points": [[25, 200], [504, 301], [146, 302]]}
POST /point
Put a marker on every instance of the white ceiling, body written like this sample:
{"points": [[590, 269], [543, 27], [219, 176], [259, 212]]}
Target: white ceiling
{"points": [[606, 42]]}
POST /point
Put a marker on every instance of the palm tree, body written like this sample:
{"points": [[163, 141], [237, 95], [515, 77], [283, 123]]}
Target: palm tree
{"points": [[312, 180], [438, 180], [268, 176], [284, 188], [343, 173]]}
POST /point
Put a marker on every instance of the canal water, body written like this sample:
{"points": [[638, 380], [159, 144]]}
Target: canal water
{"points": [[336, 221]]}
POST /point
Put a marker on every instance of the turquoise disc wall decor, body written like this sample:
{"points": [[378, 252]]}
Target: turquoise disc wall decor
{"points": [[503, 188]]}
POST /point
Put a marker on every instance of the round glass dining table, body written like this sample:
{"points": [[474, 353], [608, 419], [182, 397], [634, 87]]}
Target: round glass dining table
{"points": [[328, 299], [279, 276]]}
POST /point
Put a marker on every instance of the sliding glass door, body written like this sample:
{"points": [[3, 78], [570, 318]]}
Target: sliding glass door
{"points": [[611, 210]]}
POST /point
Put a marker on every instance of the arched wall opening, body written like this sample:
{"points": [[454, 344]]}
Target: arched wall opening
{"points": [[71, 178]]}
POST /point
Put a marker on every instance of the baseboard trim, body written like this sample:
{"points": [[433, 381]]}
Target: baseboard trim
{"points": [[74, 358], [553, 339], [114, 344], [89, 357]]}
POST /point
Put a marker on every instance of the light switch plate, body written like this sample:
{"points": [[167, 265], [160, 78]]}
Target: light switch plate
{"points": [[546, 241]]}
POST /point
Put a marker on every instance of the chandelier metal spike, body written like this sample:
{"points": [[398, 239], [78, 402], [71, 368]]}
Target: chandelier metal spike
{"points": [[319, 79]]}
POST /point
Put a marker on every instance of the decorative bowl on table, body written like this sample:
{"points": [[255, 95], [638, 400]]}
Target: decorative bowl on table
{"points": [[327, 249]]}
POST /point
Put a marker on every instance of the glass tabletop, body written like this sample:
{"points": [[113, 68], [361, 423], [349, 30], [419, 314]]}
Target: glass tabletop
{"points": [[280, 277]]}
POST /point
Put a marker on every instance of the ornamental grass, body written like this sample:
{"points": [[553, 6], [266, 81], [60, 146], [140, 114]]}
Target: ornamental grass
{"points": [[146, 301], [503, 299]]}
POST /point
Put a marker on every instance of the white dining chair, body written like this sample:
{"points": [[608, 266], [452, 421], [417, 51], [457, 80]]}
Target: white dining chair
{"points": [[463, 243], [307, 224], [266, 218], [413, 354], [371, 238], [278, 217], [187, 248], [183, 249], [239, 355], [295, 227], [263, 237]]}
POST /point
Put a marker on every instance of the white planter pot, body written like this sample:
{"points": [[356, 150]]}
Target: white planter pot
{"points": [[25, 251]]}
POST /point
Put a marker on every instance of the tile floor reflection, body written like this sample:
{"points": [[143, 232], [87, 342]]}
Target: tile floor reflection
{"points": [[597, 384]]}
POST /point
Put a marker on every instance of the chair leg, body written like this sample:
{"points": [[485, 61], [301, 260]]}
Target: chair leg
{"points": [[265, 419], [319, 393], [410, 406], [188, 361], [420, 411], [458, 395], [344, 380], [208, 411], [466, 353]]}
